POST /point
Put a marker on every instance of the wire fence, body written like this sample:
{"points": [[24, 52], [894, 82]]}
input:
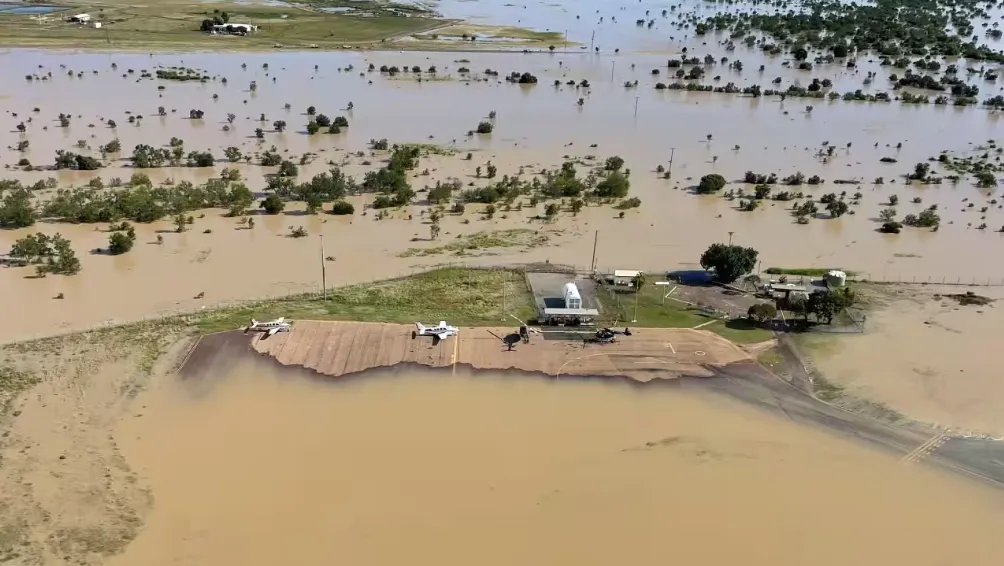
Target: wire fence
{"points": [[845, 323], [954, 280]]}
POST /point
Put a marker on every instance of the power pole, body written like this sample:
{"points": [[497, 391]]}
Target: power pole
{"points": [[324, 279], [637, 291], [672, 153], [636, 106], [596, 239], [591, 38], [612, 65]]}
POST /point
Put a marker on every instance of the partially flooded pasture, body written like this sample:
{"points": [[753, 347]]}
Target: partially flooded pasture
{"points": [[537, 126]]}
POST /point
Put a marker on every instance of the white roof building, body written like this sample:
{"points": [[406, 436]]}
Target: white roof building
{"points": [[82, 18], [626, 273]]}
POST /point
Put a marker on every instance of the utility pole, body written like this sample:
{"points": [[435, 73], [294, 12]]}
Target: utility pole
{"points": [[730, 237], [636, 106], [591, 38], [672, 153], [612, 65], [637, 291], [324, 281], [596, 239], [566, 41]]}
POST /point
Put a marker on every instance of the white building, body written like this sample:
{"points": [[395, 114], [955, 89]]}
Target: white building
{"points": [[623, 277], [241, 29], [79, 18], [573, 300]]}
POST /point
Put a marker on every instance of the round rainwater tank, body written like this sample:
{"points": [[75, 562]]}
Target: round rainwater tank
{"points": [[836, 278], [97, 25]]}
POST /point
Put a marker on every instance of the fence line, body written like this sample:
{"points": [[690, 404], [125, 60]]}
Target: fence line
{"points": [[289, 294], [538, 267]]}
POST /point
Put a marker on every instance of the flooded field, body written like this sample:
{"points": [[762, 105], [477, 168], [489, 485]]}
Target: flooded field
{"points": [[537, 126], [927, 357], [406, 466]]}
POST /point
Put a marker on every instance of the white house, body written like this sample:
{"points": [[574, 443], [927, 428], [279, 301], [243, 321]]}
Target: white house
{"points": [[240, 29], [79, 18]]}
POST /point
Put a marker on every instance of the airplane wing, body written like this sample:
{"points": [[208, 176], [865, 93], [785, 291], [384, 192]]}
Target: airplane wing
{"points": [[443, 335], [272, 331]]}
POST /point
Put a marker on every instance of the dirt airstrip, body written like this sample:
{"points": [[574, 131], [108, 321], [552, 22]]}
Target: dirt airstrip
{"points": [[340, 348]]}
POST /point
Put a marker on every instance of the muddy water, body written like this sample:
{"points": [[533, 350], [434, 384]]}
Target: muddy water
{"points": [[254, 467], [537, 126], [928, 358]]}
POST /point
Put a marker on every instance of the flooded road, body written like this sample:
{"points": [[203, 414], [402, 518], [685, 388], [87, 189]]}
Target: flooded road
{"points": [[412, 466]]}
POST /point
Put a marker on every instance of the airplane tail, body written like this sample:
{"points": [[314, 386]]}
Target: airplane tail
{"points": [[254, 322], [420, 327]]}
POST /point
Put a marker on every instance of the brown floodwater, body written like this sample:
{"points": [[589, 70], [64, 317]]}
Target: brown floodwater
{"points": [[537, 126], [256, 465]]}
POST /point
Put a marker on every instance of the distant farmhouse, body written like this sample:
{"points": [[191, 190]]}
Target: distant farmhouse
{"points": [[234, 29], [79, 18], [221, 24]]}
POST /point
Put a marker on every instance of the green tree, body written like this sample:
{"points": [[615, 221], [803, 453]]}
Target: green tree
{"points": [[824, 305], [288, 169], [272, 204], [837, 208], [551, 211], [729, 262], [887, 214], [341, 208], [614, 185], [614, 163], [576, 206], [32, 248], [233, 154], [710, 184], [762, 312], [490, 211], [64, 260], [239, 199], [120, 243], [17, 209], [180, 223], [434, 230], [638, 282]]}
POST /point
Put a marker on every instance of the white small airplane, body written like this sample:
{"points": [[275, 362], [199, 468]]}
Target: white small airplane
{"points": [[270, 327], [441, 331]]}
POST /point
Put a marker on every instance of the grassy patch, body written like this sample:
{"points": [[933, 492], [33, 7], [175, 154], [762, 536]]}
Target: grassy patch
{"points": [[431, 148], [13, 382], [770, 358], [653, 311], [803, 271], [175, 25], [470, 297], [482, 243]]}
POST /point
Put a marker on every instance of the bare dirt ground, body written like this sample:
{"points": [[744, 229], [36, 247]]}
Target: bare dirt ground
{"points": [[341, 348], [66, 493]]}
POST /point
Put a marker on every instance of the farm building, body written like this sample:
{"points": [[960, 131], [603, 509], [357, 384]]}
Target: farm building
{"points": [[235, 29], [79, 18], [570, 311], [622, 277]]}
